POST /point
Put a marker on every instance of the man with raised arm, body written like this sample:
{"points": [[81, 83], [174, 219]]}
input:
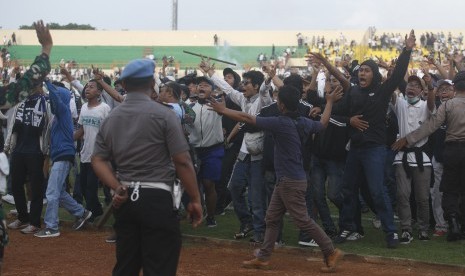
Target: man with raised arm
{"points": [[412, 164], [290, 131], [453, 179], [27, 139], [19, 90], [366, 104], [247, 172]]}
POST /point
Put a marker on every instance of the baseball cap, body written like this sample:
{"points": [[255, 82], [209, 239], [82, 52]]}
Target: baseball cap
{"points": [[228, 70], [237, 78], [444, 81], [417, 79]]}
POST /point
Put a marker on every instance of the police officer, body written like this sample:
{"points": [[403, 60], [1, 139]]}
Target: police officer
{"points": [[146, 142]]}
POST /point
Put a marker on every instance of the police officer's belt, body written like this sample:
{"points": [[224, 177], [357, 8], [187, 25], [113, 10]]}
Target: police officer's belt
{"points": [[150, 185]]}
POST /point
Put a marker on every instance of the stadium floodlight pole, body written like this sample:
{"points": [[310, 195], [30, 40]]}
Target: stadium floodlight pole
{"points": [[174, 17]]}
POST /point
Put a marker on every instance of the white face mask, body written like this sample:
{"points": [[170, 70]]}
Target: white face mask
{"points": [[413, 100]]}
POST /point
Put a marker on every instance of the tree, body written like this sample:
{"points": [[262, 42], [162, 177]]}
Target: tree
{"points": [[56, 26]]}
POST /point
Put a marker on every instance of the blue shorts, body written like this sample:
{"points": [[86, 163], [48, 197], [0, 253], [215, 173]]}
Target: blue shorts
{"points": [[210, 163]]}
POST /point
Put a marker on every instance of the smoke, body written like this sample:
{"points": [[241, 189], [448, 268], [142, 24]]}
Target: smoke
{"points": [[228, 53]]}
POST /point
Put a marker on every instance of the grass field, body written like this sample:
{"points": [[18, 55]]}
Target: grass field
{"points": [[108, 57], [111, 56], [437, 250]]}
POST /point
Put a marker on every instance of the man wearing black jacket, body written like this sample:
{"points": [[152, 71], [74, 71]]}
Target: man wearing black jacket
{"points": [[328, 161], [329, 153], [366, 105]]}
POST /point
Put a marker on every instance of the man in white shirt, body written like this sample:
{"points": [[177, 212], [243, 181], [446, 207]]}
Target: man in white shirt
{"points": [[247, 171], [206, 136], [412, 164], [92, 115]]}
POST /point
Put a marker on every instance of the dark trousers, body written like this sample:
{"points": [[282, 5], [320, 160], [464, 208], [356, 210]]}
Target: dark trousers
{"points": [[89, 188], [390, 177], [453, 180], [77, 191], [30, 165], [223, 194], [368, 164], [148, 235]]}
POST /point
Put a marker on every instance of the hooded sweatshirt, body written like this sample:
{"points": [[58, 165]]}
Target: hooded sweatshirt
{"points": [[372, 102], [62, 143]]}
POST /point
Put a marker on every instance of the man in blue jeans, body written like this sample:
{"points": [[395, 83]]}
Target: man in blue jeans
{"points": [[62, 153], [366, 105], [247, 172], [328, 151]]}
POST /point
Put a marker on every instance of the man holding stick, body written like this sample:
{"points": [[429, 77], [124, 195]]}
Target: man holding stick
{"points": [[247, 172]]}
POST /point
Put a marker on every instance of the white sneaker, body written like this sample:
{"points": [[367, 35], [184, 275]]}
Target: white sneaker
{"points": [[355, 236], [376, 222], [406, 237], [9, 199], [17, 224], [279, 244], [310, 243], [30, 229]]}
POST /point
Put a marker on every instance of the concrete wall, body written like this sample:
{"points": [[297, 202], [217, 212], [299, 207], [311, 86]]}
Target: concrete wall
{"points": [[192, 38]]}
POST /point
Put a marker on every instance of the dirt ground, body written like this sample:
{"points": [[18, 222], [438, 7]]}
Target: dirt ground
{"points": [[86, 253]]}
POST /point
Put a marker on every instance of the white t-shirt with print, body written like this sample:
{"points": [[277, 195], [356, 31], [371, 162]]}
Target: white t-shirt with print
{"points": [[90, 119]]}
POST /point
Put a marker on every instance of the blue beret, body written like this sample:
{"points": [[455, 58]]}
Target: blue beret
{"points": [[138, 68]]}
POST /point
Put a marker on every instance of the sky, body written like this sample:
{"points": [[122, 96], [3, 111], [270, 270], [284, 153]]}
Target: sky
{"points": [[242, 14]]}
